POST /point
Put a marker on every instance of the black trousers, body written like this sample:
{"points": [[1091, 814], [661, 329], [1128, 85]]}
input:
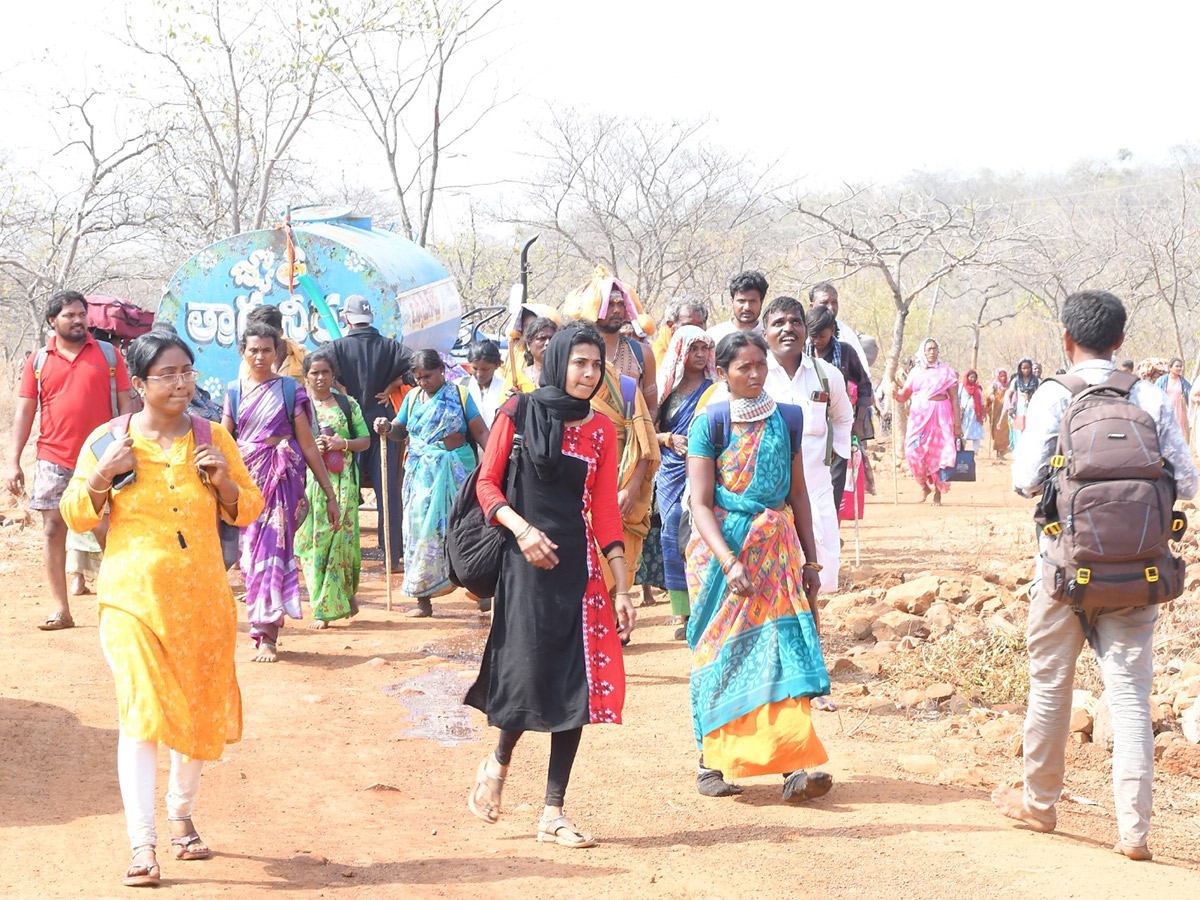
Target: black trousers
{"points": [[837, 472], [563, 747]]}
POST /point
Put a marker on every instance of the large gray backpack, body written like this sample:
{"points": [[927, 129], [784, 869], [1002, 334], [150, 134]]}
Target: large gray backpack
{"points": [[1107, 506]]}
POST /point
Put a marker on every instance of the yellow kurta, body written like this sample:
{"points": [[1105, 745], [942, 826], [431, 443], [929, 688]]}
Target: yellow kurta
{"points": [[168, 624]]}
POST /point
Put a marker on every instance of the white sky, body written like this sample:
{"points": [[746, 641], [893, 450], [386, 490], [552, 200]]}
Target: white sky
{"points": [[856, 91]]}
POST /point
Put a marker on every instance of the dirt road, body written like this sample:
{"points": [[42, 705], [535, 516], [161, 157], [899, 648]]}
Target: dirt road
{"points": [[352, 776]]}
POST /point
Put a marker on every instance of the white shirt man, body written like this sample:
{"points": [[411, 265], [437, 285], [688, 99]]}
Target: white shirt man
{"points": [[800, 391]]}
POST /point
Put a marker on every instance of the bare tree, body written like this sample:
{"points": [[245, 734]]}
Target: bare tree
{"points": [[660, 206], [414, 84], [910, 238], [82, 228], [246, 81]]}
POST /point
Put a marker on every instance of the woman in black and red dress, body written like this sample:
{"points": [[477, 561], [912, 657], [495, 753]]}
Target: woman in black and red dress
{"points": [[553, 657]]}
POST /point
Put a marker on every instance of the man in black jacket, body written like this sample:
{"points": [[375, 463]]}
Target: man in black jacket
{"points": [[372, 367]]}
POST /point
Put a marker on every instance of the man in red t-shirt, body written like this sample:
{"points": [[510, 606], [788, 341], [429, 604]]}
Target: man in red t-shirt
{"points": [[74, 391]]}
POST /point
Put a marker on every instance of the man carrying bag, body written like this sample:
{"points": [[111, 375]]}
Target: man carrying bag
{"points": [[1109, 450]]}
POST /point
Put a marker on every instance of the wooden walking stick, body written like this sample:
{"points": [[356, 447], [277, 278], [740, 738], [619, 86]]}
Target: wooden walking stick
{"points": [[895, 461], [384, 510]]}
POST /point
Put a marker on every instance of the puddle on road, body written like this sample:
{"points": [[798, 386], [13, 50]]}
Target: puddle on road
{"points": [[434, 703]]}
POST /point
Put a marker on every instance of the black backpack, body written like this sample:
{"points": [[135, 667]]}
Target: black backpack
{"points": [[473, 545]]}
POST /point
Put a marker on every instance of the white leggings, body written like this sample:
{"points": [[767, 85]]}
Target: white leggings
{"points": [[137, 764]]}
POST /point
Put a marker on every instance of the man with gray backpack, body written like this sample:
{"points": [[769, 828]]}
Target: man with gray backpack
{"points": [[1107, 454]]}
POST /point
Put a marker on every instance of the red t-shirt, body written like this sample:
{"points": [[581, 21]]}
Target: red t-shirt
{"points": [[76, 398]]}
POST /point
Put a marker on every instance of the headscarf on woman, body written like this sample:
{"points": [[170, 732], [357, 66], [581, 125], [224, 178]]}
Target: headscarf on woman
{"points": [[976, 393], [671, 371], [550, 406], [997, 384], [1025, 386]]}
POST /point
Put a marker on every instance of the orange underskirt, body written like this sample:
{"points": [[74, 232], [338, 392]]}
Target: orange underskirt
{"points": [[770, 740]]}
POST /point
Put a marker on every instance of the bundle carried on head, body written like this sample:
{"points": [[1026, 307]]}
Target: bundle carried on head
{"points": [[1153, 368], [590, 300]]}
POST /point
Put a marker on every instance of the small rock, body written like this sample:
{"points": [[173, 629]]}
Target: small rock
{"points": [[1190, 724], [1001, 729], [380, 786], [1016, 746], [1181, 758], [920, 764], [911, 698], [940, 618], [1081, 721], [859, 627], [914, 597], [895, 625], [909, 642], [315, 859], [880, 706], [375, 662], [1162, 742], [952, 591], [843, 665], [939, 691]]}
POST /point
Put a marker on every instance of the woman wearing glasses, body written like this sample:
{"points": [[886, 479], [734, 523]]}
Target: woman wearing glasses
{"points": [[168, 623]]}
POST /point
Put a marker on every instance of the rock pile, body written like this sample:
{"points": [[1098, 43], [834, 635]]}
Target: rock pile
{"points": [[880, 624]]}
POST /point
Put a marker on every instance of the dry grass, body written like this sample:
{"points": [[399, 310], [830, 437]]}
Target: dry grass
{"points": [[996, 670]]}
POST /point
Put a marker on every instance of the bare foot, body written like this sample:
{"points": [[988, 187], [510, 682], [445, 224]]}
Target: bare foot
{"points": [[1011, 801], [319, 625], [924, 492], [78, 584], [266, 653], [937, 498], [1141, 853]]}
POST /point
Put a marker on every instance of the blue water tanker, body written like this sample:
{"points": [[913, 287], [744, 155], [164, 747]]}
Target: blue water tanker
{"points": [[307, 267]]}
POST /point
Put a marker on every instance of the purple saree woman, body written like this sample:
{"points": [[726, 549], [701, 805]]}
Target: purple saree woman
{"points": [[275, 438]]}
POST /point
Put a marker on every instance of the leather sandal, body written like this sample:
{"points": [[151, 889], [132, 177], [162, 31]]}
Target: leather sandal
{"points": [[139, 874], [190, 846], [57, 622], [562, 831], [494, 784]]}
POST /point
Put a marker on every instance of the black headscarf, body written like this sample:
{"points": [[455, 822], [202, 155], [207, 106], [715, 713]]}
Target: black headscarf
{"points": [[550, 405]]}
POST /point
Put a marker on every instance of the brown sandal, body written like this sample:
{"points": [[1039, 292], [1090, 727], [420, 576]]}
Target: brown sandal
{"points": [[140, 875], [482, 807], [189, 846], [562, 831]]}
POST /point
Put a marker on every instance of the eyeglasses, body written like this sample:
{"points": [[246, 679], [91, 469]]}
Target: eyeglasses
{"points": [[188, 377]]}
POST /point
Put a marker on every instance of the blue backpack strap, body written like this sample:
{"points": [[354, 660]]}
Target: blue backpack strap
{"points": [[289, 396], [639, 352], [110, 357], [718, 425], [793, 417], [629, 396]]}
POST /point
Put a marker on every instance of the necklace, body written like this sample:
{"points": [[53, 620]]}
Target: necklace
{"points": [[751, 409]]}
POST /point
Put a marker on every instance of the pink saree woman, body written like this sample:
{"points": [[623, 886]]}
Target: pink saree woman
{"points": [[934, 421]]}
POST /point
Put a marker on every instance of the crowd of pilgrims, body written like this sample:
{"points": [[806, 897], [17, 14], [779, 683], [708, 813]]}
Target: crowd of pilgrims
{"points": [[714, 464]]}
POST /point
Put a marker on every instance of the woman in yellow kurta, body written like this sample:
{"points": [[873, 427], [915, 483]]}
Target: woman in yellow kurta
{"points": [[168, 623]]}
